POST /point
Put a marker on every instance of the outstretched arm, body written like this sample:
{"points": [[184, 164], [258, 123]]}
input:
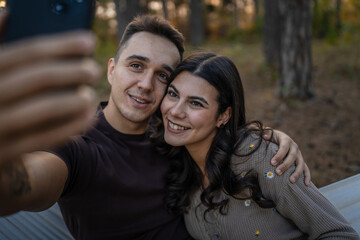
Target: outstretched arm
{"points": [[290, 152], [32, 183], [44, 92], [45, 97]]}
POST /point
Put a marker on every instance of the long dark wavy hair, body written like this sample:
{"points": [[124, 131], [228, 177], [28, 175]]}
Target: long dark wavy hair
{"points": [[185, 177]]}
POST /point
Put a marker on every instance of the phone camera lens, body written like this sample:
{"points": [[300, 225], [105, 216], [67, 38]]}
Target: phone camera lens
{"points": [[59, 7]]}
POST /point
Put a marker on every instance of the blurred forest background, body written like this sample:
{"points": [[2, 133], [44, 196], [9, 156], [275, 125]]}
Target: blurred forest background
{"points": [[299, 61]]}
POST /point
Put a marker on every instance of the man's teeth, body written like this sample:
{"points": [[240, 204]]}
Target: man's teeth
{"points": [[176, 127], [138, 100]]}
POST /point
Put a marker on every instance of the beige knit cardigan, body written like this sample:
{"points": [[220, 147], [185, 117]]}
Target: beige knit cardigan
{"points": [[301, 212]]}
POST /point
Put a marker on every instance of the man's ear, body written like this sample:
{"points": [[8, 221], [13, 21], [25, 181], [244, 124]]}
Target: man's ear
{"points": [[110, 70], [224, 117]]}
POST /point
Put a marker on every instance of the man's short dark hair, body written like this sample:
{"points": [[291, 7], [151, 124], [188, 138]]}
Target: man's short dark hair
{"points": [[154, 25]]}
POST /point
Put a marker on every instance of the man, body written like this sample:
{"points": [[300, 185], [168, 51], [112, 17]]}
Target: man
{"points": [[109, 182]]}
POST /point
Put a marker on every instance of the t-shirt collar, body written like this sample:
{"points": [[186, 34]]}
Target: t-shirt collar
{"points": [[111, 131]]}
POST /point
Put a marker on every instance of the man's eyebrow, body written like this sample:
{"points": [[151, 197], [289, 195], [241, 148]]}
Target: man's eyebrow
{"points": [[190, 97], [139, 57], [168, 68], [146, 59]]}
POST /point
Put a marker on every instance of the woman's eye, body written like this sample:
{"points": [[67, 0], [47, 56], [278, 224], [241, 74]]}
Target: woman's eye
{"points": [[197, 104], [171, 93]]}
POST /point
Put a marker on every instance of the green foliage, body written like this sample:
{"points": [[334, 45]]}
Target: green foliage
{"points": [[325, 25], [235, 35], [105, 50], [243, 35], [351, 28], [242, 44], [254, 33], [259, 25]]}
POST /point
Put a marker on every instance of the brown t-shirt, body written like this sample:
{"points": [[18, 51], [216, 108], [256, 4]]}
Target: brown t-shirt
{"points": [[115, 187]]}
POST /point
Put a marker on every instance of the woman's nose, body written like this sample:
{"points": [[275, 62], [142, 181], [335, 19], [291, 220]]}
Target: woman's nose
{"points": [[178, 110]]}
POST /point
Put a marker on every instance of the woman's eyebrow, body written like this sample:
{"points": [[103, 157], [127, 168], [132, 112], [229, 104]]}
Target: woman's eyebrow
{"points": [[199, 98], [190, 97], [173, 87]]}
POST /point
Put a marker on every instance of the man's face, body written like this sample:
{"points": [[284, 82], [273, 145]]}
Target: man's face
{"points": [[138, 80]]}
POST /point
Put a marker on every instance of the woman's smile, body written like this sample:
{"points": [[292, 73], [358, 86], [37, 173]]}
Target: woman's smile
{"points": [[176, 127], [190, 111]]}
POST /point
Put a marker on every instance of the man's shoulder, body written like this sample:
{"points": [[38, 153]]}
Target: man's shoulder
{"points": [[79, 145]]}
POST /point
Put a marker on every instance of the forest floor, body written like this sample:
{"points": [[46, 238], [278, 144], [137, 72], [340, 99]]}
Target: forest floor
{"points": [[326, 128]]}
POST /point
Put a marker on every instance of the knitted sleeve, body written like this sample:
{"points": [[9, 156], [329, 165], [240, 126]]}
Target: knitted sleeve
{"points": [[305, 206]]}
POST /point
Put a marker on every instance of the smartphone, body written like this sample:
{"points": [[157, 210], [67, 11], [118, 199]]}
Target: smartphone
{"points": [[29, 18]]}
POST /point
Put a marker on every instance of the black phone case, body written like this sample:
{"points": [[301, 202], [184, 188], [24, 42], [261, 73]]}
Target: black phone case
{"points": [[35, 17]]}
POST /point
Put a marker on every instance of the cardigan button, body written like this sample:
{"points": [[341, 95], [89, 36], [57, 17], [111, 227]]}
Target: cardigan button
{"points": [[215, 236]]}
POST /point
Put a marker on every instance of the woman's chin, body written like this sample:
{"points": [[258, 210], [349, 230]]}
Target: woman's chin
{"points": [[173, 142]]}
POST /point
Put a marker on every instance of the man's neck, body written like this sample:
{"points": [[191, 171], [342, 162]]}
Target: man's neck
{"points": [[123, 125]]}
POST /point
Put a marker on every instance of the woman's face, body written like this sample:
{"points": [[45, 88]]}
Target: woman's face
{"points": [[189, 112]]}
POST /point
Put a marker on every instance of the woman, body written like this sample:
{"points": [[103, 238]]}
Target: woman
{"points": [[221, 178]]}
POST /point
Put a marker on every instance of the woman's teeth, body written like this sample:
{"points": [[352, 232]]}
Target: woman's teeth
{"points": [[176, 127]]}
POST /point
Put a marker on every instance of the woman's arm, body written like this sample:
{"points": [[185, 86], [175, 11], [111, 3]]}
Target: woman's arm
{"points": [[305, 206]]}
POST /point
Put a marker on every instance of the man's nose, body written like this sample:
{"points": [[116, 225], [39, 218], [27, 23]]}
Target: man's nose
{"points": [[146, 81]]}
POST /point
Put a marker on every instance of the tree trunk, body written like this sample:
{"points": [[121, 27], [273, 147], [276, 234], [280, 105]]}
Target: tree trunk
{"points": [[295, 53], [272, 39], [126, 10], [196, 22], [236, 15], [165, 11], [144, 6], [338, 17], [256, 5]]}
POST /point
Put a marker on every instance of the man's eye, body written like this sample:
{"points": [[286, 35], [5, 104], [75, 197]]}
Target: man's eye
{"points": [[163, 76], [136, 66]]}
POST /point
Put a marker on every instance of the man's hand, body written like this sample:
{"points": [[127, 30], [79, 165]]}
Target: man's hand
{"points": [[44, 92], [290, 152]]}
